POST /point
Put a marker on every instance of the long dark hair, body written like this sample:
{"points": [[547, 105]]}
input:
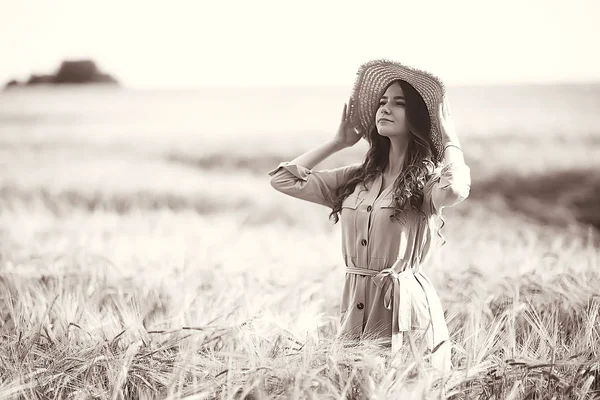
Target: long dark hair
{"points": [[418, 165]]}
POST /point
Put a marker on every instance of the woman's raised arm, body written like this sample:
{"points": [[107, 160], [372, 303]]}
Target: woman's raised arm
{"points": [[297, 178]]}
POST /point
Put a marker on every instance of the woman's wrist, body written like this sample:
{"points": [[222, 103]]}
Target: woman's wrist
{"points": [[451, 144], [452, 153], [337, 145]]}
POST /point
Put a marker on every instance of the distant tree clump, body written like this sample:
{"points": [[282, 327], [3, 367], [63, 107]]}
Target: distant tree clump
{"points": [[69, 72]]}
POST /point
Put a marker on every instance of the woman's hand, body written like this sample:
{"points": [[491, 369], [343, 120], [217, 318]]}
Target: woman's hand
{"points": [[347, 135], [447, 128]]}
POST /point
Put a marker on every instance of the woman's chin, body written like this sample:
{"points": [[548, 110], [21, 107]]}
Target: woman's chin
{"points": [[387, 132]]}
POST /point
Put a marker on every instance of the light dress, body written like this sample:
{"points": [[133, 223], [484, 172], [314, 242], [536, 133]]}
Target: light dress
{"points": [[386, 291]]}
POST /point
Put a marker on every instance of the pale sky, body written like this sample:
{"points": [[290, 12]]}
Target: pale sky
{"points": [[191, 43]]}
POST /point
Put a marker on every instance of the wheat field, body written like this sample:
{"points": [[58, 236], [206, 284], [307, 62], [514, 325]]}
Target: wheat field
{"points": [[137, 270]]}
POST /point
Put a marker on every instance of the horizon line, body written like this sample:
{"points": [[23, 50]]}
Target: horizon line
{"points": [[122, 86]]}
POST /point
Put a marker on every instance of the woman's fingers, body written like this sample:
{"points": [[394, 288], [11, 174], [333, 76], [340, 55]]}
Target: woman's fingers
{"points": [[347, 108], [444, 110], [445, 106], [346, 117]]}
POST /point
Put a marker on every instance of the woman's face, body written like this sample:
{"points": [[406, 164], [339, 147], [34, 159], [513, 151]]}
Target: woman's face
{"points": [[390, 118]]}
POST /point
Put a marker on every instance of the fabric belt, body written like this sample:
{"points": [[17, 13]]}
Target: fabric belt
{"points": [[397, 298]]}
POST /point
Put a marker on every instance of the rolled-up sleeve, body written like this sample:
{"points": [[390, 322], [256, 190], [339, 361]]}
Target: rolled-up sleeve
{"points": [[310, 185], [447, 187]]}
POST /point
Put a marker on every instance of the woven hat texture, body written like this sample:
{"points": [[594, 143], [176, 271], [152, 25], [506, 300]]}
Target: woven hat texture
{"points": [[372, 80]]}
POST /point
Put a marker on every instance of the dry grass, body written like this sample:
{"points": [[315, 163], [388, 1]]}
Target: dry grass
{"points": [[142, 276]]}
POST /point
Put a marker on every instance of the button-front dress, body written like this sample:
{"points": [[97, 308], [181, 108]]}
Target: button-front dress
{"points": [[386, 292]]}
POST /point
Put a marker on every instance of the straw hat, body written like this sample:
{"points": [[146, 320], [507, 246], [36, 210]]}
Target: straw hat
{"points": [[372, 80]]}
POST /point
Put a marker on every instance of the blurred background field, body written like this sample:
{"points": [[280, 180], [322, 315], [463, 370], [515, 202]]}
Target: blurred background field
{"points": [[144, 254], [143, 251], [533, 149]]}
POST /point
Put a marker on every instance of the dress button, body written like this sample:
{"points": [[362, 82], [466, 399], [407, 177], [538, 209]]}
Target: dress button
{"points": [[369, 208], [363, 242], [360, 306]]}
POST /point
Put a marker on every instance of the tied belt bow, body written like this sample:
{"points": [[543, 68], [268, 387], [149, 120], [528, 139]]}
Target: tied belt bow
{"points": [[397, 298]]}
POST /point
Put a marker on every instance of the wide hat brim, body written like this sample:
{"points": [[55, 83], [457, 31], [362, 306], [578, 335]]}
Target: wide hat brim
{"points": [[374, 77]]}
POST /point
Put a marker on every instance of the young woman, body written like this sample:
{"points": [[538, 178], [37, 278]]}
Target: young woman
{"points": [[390, 204]]}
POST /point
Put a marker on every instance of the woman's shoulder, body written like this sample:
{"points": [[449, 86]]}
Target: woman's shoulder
{"points": [[354, 166], [350, 170]]}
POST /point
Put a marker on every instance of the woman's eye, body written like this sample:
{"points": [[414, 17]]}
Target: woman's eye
{"points": [[382, 102]]}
